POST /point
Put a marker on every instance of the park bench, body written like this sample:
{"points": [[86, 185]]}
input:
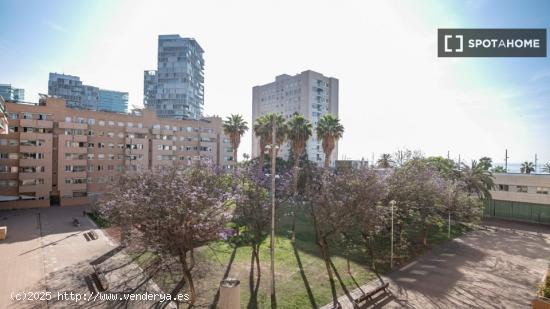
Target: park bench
{"points": [[371, 297], [100, 279], [92, 235]]}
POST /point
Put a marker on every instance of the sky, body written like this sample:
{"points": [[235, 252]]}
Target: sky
{"points": [[395, 93]]}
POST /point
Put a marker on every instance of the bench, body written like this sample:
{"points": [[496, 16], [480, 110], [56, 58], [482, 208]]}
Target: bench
{"points": [[92, 235], [100, 279], [367, 297]]}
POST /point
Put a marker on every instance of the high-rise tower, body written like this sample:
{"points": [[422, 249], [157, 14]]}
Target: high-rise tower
{"points": [[176, 88]]}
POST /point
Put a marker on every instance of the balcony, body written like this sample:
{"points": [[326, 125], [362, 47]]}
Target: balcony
{"points": [[72, 125], [36, 123]]}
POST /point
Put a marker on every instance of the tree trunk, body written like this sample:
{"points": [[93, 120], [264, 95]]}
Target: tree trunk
{"points": [[326, 257], [293, 205], [186, 270], [235, 155], [425, 238], [327, 160], [257, 256]]}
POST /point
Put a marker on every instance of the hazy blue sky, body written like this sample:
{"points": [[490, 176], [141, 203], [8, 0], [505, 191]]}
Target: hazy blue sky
{"points": [[394, 91]]}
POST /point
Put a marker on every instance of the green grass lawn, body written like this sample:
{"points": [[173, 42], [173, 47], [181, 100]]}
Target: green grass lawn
{"points": [[301, 277]]}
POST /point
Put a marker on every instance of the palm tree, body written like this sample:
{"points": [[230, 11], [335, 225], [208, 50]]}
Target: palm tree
{"points": [[299, 131], [477, 179], [329, 131], [234, 127], [527, 167], [546, 168], [486, 162], [262, 129], [385, 161]]}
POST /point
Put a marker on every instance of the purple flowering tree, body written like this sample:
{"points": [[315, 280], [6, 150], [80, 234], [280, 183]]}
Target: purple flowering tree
{"points": [[333, 202], [419, 192], [172, 211]]}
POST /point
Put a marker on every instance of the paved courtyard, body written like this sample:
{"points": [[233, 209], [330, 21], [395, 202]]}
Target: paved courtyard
{"points": [[45, 252], [496, 267]]}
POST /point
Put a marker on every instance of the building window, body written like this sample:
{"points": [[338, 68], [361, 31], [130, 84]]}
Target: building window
{"points": [[8, 183], [542, 190], [503, 187], [8, 169], [521, 189], [91, 121]]}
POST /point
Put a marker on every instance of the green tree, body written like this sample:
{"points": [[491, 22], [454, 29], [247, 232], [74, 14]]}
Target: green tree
{"points": [[527, 167], [329, 131], [235, 127], [263, 130], [546, 168], [478, 180], [486, 163], [498, 169], [385, 161], [446, 167], [299, 131], [419, 193]]}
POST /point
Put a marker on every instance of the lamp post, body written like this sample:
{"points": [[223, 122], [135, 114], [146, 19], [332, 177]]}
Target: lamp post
{"points": [[392, 203], [273, 150]]}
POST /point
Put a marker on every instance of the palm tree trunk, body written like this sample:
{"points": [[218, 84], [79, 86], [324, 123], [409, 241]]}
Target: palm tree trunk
{"points": [[235, 155], [327, 160]]}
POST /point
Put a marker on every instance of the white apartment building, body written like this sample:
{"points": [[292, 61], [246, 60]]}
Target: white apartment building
{"points": [[308, 93]]}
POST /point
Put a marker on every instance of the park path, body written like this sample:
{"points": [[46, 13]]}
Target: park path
{"points": [[497, 266], [45, 252]]}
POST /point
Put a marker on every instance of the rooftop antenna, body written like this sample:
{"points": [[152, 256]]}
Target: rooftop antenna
{"points": [[536, 161]]}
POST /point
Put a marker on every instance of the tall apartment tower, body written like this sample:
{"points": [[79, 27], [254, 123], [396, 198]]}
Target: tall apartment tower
{"points": [[78, 95], [176, 88], [310, 94], [11, 93]]}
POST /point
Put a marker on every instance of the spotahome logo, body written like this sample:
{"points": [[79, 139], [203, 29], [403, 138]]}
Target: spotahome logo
{"points": [[491, 42]]}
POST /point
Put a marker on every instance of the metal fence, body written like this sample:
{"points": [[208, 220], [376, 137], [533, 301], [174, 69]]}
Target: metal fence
{"points": [[518, 211]]}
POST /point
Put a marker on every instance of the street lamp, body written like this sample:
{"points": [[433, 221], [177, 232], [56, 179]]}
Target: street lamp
{"points": [[273, 149]]}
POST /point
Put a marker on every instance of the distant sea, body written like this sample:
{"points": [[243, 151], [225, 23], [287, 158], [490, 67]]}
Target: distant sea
{"points": [[516, 167]]}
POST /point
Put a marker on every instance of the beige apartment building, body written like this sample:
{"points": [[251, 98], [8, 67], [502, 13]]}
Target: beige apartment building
{"points": [[523, 197], [64, 156], [310, 94]]}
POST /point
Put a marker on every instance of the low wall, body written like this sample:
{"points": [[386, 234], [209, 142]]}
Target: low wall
{"points": [[23, 204]]}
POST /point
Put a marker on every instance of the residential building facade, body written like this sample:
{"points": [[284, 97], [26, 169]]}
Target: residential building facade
{"points": [[77, 95], [11, 93], [310, 94], [58, 155], [347, 165], [522, 197], [176, 88]]}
